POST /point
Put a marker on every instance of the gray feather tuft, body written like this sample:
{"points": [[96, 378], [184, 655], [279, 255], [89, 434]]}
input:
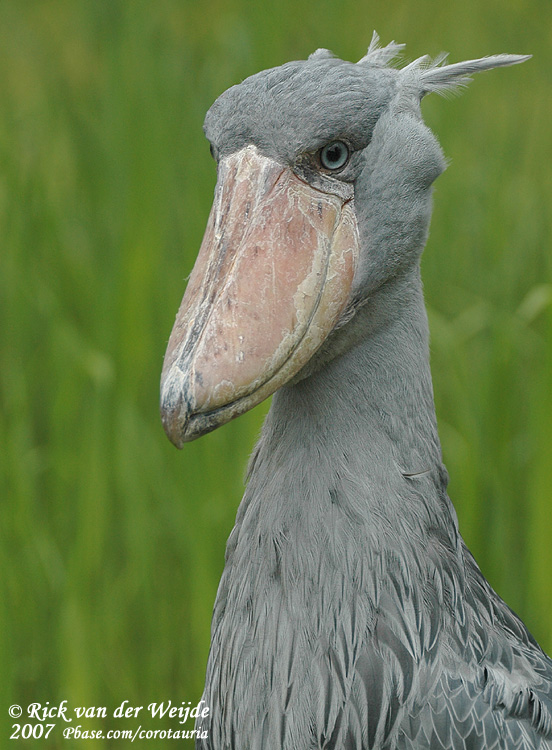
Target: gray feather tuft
{"points": [[435, 76], [378, 55], [432, 75], [321, 54]]}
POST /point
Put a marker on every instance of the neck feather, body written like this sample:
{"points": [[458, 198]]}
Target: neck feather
{"points": [[352, 449]]}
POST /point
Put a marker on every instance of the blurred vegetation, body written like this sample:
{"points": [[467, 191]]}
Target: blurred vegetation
{"points": [[112, 542]]}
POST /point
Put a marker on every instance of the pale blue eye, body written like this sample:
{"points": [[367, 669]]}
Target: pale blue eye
{"points": [[335, 155]]}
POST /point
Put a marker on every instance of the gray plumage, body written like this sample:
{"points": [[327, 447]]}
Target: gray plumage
{"points": [[350, 614]]}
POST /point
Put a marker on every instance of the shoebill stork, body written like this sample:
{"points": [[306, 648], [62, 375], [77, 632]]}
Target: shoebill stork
{"points": [[350, 614]]}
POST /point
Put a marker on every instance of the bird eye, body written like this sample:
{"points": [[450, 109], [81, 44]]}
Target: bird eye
{"points": [[334, 156]]}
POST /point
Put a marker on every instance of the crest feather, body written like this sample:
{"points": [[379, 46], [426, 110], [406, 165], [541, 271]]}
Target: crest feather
{"points": [[321, 54], [378, 55], [435, 76]]}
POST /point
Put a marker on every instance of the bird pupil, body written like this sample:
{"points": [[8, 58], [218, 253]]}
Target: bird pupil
{"points": [[334, 153]]}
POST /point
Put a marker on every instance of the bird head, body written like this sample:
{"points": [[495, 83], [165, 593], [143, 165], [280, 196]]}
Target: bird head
{"points": [[323, 194]]}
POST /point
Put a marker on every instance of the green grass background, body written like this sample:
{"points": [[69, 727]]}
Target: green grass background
{"points": [[111, 541]]}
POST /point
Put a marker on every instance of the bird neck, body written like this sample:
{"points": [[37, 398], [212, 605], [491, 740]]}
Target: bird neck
{"points": [[361, 430]]}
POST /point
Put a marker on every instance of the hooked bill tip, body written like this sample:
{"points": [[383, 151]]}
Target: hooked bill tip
{"points": [[175, 409]]}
